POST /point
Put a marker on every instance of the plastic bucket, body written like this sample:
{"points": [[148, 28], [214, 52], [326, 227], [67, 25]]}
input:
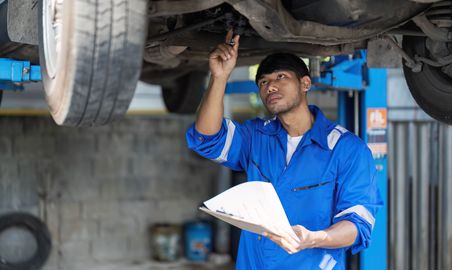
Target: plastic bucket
{"points": [[198, 240]]}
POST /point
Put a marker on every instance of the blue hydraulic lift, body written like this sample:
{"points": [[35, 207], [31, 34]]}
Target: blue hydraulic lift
{"points": [[362, 109], [13, 73]]}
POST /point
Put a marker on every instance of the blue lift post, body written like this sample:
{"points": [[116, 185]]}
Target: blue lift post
{"points": [[374, 131], [369, 88], [366, 108], [15, 72]]}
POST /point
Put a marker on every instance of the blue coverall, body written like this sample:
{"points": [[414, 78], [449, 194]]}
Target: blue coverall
{"points": [[329, 178]]}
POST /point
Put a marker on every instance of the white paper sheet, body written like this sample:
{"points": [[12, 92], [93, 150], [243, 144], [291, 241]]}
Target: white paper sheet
{"points": [[252, 206]]}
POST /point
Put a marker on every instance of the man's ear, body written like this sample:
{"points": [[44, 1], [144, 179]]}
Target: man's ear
{"points": [[306, 83]]}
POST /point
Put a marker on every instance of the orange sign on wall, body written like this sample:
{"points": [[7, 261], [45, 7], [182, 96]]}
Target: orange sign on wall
{"points": [[377, 118]]}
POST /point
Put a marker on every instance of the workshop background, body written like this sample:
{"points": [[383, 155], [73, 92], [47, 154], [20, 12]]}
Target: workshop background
{"points": [[100, 190]]}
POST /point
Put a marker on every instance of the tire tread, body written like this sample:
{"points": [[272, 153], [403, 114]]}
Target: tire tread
{"points": [[108, 56]]}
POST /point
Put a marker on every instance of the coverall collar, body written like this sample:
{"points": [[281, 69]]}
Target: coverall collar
{"points": [[318, 133]]}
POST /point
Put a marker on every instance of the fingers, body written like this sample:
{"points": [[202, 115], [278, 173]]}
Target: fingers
{"points": [[286, 244], [236, 43], [235, 40], [223, 51], [226, 51], [300, 231], [228, 37]]}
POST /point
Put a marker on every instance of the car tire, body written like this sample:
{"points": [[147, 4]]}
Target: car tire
{"points": [[431, 88], [90, 55], [41, 234], [185, 94]]}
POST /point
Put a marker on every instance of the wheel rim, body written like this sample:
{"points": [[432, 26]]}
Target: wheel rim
{"points": [[52, 31]]}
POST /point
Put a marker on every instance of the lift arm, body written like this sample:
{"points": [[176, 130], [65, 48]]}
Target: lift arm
{"points": [[13, 73]]}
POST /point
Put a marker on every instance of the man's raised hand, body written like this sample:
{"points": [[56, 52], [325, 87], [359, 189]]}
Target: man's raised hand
{"points": [[223, 58]]}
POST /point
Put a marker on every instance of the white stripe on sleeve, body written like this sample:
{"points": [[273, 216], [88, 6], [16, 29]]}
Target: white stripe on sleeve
{"points": [[361, 211], [227, 144]]}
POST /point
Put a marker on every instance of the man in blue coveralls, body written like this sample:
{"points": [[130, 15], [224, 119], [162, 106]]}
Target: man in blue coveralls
{"points": [[323, 174]]}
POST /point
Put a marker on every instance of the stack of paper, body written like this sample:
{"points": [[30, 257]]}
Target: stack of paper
{"points": [[252, 206]]}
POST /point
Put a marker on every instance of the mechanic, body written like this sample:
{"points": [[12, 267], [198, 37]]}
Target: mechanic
{"points": [[323, 174]]}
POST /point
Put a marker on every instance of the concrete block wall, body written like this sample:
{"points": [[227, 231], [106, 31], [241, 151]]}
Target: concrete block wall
{"points": [[99, 189]]}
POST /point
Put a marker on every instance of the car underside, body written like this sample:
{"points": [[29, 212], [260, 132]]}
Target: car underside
{"points": [[308, 28], [179, 34]]}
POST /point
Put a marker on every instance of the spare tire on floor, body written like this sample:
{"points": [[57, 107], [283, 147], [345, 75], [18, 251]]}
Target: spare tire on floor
{"points": [[90, 55], [38, 230]]}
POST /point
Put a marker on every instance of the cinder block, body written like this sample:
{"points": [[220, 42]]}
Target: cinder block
{"points": [[73, 168], [105, 129], [169, 187], [76, 145], [70, 210], [116, 144], [171, 124], [122, 226], [78, 229], [53, 222], [138, 209], [168, 126], [148, 166], [108, 166], [33, 146], [141, 144], [126, 188], [30, 168], [11, 126], [38, 126], [16, 192], [33, 210], [84, 188], [138, 188], [166, 147], [50, 267], [200, 187], [101, 209], [176, 211], [110, 248], [52, 262], [139, 247], [109, 189], [75, 250], [8, 169], [126, 126], [5, 146]]}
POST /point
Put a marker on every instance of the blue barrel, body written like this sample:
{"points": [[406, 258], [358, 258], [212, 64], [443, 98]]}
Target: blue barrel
{"points": [[198, 240]]}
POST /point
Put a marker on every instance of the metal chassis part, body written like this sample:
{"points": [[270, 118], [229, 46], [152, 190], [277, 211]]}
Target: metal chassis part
{"points": [[271, 20], [22, 19]]}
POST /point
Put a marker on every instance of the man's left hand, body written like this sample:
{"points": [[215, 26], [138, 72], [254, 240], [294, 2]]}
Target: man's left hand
{"points": [[308, 239]]}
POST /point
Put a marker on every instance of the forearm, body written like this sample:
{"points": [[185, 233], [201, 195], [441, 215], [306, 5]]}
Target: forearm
{"points": [[210, 113], [341, 234]]}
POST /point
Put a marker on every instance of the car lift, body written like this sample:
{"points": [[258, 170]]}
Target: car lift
{"points": [[362, 109], [13, 73]]}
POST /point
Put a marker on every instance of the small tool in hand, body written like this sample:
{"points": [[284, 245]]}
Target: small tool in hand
{"points": [[231, 41]]}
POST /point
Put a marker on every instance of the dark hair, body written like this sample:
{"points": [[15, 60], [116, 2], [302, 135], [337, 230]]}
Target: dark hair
{"points": [[282, 61]]}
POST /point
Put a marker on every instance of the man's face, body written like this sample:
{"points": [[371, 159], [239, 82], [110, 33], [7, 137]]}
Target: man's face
{"points": [[281, 91]]}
